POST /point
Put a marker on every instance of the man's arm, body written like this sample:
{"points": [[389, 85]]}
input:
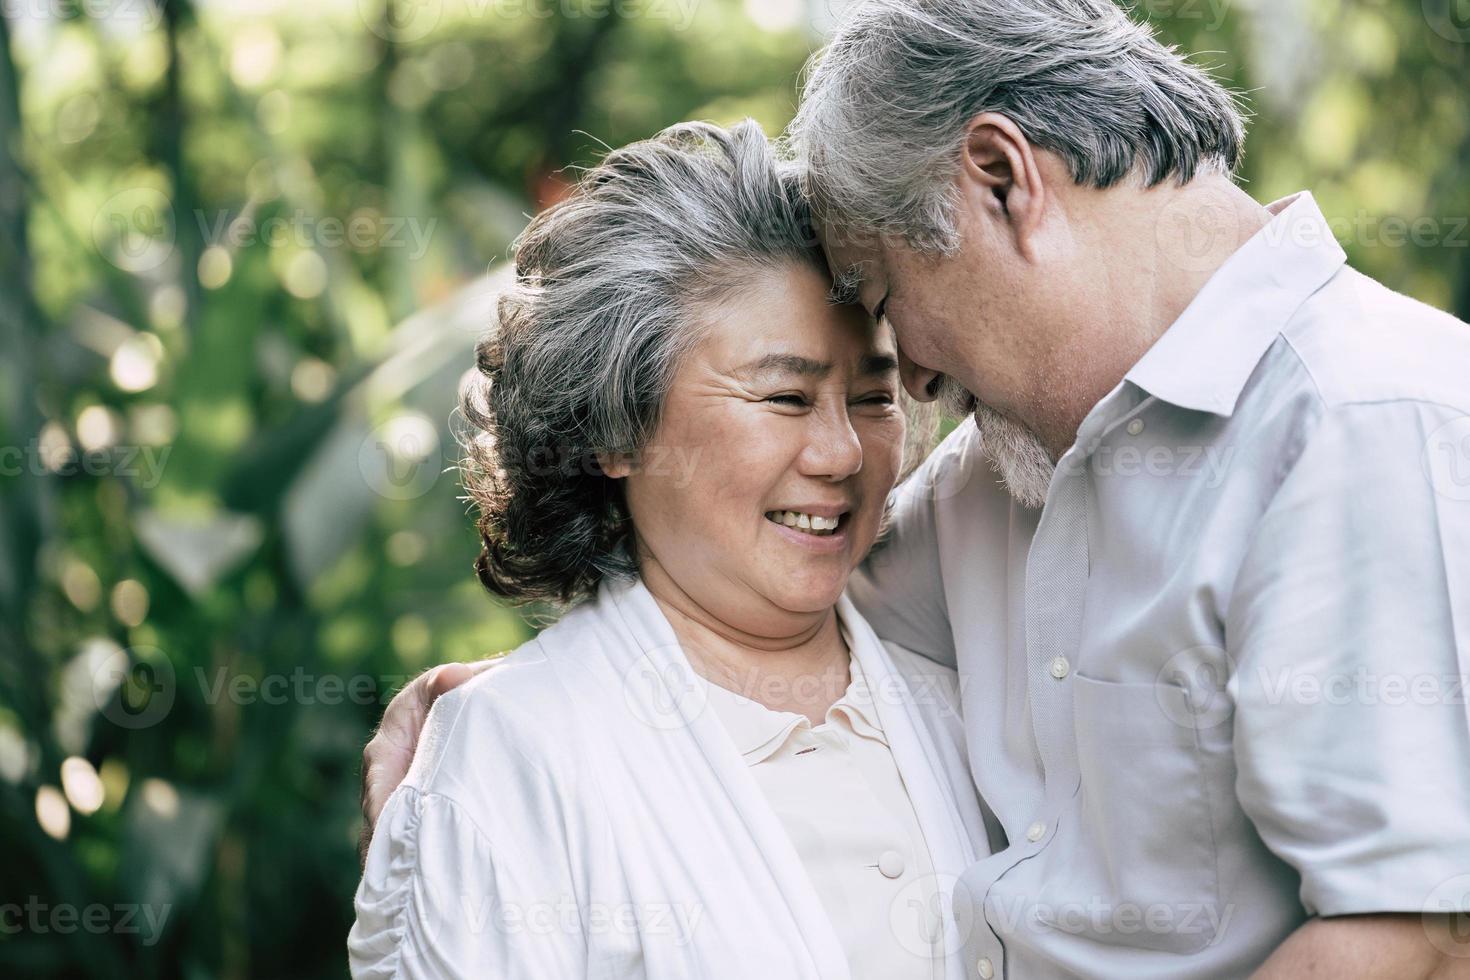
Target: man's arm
{"points": [[1374, 947], [1349, 627], [898, 588], [387, 756]]}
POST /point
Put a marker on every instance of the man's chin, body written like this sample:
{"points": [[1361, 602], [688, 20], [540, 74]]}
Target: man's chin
{"points": [[1015, 452]]}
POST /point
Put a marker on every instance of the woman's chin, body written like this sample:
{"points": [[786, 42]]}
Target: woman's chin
{"points": [[807, 596]]}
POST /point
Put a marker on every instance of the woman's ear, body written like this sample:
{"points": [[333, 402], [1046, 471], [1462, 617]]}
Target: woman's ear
{"points": [[616, 466], [1000, 163]]}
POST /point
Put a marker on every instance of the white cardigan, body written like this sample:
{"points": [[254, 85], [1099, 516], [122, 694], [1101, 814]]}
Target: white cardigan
{"points": [[576, 812]]}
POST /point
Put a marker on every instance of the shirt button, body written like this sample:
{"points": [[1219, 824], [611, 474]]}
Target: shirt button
{"points": [[1036, 831], [1135, 427], [985, 968], [1060, 668], [891, 864]]}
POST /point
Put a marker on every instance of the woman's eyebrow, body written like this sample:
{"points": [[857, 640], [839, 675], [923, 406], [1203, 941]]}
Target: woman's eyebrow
{"points": [[784, 364], [871, 365], [874, 364]]}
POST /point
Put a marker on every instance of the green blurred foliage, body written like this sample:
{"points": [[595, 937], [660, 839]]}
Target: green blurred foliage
{"points": [[243, 263]]}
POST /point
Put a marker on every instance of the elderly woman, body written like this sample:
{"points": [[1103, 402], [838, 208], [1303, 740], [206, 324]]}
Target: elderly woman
{"points": [[709, 766]]}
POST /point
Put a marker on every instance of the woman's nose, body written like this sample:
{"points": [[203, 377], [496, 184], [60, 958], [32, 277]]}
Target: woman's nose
{"points": [[833, 451], [916, 379]]}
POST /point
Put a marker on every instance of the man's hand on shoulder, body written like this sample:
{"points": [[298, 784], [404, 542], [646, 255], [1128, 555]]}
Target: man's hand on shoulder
{"points": [[389, 753]]}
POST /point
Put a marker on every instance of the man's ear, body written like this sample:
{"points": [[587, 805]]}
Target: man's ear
{"points": [[616, 466], [1000, 162]]}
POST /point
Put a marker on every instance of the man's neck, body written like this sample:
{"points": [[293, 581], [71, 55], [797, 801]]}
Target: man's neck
{"points": [[1185, 234], [1161, 246]]}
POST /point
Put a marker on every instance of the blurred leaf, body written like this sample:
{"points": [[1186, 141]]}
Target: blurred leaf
{"points": [[197, 551]]}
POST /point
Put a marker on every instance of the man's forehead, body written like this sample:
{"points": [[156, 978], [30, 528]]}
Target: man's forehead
{"points": [[846, 284], [851, 271], [853, 259]]}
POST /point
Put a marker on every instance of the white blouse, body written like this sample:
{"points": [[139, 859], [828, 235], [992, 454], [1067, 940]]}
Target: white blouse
{"points": [[579, 812], [841, 798]]}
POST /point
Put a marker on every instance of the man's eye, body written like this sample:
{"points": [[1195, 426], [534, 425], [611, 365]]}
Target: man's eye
{"points": [[795, 401]]}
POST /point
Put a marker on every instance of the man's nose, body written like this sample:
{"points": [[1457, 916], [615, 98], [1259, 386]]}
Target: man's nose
{"points": [[916, 379]]}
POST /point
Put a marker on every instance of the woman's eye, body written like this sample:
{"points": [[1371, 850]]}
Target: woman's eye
{"points": [[881, 398], [795, 401]]}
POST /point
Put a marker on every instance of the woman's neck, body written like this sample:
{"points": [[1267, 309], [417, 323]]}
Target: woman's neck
{"points": [[803, 671]]}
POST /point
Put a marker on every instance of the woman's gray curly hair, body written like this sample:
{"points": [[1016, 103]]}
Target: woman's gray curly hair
{"points": [[609, 284]]}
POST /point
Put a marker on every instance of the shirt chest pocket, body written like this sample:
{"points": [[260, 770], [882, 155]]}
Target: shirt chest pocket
{"points": [[1153, 786]]}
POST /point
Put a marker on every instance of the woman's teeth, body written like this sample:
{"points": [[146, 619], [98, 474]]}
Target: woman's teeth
{"points": [[806, 523]]}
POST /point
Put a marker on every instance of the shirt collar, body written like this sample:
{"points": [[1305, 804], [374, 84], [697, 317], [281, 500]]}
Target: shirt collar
{"points": [[758, 731], [1204, 359]]}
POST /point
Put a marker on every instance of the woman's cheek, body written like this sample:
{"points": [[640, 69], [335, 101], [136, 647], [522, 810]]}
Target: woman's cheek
{"points": [[746, 454], [883, 448], [766, 434]]}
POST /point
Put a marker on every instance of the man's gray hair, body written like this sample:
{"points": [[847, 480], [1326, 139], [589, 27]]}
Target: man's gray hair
{"points": [[885, 107]]}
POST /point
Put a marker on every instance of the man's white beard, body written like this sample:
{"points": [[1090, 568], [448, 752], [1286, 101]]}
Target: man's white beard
{"points": [[1015, 452]]}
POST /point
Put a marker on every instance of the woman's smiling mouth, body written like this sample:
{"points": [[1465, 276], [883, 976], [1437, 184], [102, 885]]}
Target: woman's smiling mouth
{"points": [[815, 525]]}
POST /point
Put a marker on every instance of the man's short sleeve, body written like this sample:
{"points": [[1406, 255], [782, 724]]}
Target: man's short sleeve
{"points": [[1349, 627]]}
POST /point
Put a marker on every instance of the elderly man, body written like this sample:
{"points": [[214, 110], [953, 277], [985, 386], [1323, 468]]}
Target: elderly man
{"points": [[1213, 616]]}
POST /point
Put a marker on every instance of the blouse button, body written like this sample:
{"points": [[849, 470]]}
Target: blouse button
{"points": [[891, 864]]}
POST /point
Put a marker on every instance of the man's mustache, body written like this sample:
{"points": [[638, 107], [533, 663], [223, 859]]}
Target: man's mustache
{"points": [[954, 398]]}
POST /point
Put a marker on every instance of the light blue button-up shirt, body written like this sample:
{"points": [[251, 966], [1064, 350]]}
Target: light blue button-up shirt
{"points": [[1217, 684]]}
